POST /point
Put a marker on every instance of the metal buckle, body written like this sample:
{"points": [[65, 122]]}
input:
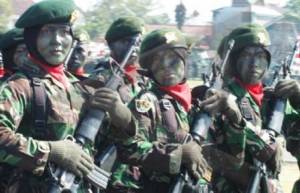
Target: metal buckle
{"points": [[166, 104]]}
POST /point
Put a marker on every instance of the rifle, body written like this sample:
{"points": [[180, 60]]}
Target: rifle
{"points": [[203, 120], [74, 44], [107, 158], [274, 125], [200, 128], [86, 134], [276, 119]]}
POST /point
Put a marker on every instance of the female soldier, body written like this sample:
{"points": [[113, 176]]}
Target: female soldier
{"points": [[34, 134], [242, 137], [161, 123]]}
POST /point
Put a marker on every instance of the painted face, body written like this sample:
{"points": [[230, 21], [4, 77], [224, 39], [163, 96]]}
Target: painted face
{"points": [[21, 55], [167, 68], [78, 57], [54, 42], [252, 64], [120, 48]]}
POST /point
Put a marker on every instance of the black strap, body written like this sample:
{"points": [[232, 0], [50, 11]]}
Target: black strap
{"points": [[247, 111], [39, 106]]}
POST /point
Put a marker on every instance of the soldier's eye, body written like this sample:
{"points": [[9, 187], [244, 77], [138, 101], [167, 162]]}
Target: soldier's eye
{"points": [[45, 31]]}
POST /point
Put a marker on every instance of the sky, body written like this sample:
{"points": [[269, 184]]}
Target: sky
{"points": [[203, 7]]}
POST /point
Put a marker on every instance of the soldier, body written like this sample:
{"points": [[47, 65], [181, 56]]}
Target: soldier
{"points": [[79, 56], [14, 51], [42, 105], [120, 37], [290, 89], [241, 133], [161, 116]]}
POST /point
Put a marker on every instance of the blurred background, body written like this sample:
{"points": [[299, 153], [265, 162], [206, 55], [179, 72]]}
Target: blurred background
{"points": [[204, 22]]}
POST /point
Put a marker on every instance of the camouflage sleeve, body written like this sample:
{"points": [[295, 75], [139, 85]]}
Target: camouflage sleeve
{"points": [[144, 150], [17, 149], [235, 140], [259, 143]]}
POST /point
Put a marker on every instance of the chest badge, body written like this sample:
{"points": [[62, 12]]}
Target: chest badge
{"points": [[142, 106]]}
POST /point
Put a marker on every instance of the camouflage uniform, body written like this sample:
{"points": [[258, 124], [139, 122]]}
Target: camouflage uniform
{"points": [[25, 147], [8, 44], [161, 124], [238, 146], [124, 178]]}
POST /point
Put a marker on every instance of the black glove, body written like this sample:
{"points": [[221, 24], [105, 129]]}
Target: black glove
{"points": [[289, 89], [71, 157], [110, 101], [194, 162], [221, 101]]}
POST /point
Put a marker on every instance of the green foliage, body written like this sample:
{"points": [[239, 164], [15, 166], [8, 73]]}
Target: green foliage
{"points": [[180, 15], [106, 11], [5, 12], [293, 6], [292, 12]]}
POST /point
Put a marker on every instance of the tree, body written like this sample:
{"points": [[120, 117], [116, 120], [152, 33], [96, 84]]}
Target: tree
{"points": [[292, 12], [5, 12], [180, 15], [293, 8], [106, 11]]}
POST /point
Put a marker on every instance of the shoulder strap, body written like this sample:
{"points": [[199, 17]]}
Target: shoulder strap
{"points": [[39, 106]]}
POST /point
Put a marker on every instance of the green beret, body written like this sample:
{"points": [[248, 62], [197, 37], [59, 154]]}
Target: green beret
{"points": [[81, 35], [158, 40], [247, 35], [48, 11], [161, 38], [11, 38], [124, 27]]}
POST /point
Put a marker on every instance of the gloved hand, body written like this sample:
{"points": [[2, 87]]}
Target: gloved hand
{"points": [[224, 102], [289, 89], [70, 156], [193, 160], [110, 101]]}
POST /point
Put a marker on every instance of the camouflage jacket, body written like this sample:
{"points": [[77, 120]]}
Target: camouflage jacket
{"points": [[161, 125], [238, 145], [122, 175], [22, 146]]}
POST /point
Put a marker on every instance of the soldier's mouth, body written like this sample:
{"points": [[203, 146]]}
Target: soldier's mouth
{"points": [[55, 52]]}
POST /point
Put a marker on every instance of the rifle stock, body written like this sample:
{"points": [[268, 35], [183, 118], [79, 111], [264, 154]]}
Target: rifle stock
{"points": [[86, 134]]}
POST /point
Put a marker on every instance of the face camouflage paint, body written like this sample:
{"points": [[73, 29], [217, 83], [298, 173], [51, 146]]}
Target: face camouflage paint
{"points": [[252, 64], [167, 68], [54, 43], [21, 55], [120, 48]]}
